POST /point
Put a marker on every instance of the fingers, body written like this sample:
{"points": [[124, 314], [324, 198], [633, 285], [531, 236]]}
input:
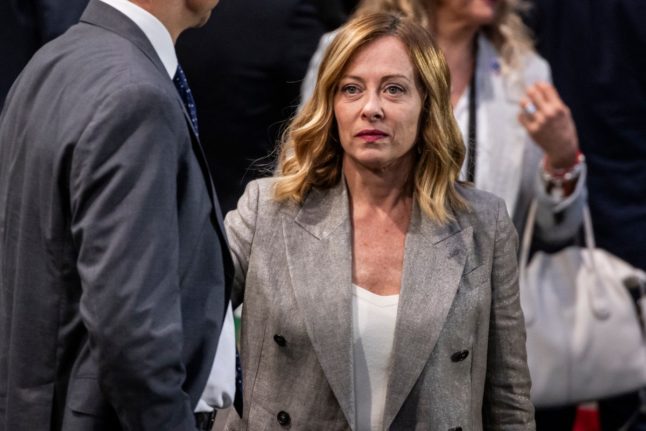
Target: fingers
{"points": [[542, 104], [531, 116], [538, 97], [546, 99], [547, 119]]}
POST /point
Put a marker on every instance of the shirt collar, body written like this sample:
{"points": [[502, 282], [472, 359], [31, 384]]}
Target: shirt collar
{"points": [[154, 30]]}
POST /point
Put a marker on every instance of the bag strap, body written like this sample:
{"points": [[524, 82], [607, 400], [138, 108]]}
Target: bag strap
{"points": [[597, 298], [528, 231]]}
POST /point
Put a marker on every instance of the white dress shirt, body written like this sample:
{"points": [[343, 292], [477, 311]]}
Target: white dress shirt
{"points": [[221, 386]]}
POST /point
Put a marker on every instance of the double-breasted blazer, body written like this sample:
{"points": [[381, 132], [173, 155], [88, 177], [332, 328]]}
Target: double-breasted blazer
{"points": [[458, 360], [113, 262]]}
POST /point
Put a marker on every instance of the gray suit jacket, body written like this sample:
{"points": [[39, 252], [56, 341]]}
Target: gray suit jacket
{"points": [[459, 351], [112, 254]]}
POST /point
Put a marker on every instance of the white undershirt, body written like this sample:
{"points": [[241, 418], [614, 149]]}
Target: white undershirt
{"points": [[373, 322]]}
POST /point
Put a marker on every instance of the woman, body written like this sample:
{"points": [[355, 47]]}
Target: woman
{"points": [[378, 292], [521, 139]]}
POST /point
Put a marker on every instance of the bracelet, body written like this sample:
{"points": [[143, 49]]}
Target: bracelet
{"points": [[573, 169], [556, 180]]}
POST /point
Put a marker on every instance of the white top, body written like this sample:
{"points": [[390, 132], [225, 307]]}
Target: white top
{"points": [[373, 322], [154, 30], [221, 386]]}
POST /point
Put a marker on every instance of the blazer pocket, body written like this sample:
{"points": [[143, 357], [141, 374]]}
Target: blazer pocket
{"points": [[474, 278], [84, 396]]}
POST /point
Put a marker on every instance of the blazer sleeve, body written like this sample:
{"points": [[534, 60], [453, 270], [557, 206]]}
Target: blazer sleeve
{"points": [[558, 219], [240, 225], [124, 221], [506, 398]]}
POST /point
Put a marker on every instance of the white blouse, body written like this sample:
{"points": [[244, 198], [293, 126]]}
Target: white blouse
{"points": [[373, 322]]}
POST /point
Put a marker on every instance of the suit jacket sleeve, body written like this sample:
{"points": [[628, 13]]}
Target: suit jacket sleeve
{"points": [[124, 222], [506, 399], [240, 225]]}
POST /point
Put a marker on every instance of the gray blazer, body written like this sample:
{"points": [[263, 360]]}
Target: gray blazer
{"points": [[459, 352], [112, 257]]}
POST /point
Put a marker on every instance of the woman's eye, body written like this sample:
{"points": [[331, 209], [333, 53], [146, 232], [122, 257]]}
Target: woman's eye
{"points": [[350, 89], [394, 90]]}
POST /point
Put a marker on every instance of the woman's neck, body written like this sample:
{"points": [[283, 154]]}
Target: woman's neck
{"points": [[456, 42], [385, 190]]}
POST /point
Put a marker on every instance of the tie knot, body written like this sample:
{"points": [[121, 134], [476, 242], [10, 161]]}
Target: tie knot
{"points": [[181, 83]]}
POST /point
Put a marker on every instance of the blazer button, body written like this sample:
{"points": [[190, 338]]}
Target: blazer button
{"points": [[459, 356], [280, 340], [283, 418]]}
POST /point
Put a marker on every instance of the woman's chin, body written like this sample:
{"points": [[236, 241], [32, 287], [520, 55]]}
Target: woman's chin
{"points": [[380, 164]]}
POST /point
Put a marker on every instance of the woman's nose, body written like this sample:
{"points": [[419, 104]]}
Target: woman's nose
{"points": [[372, 109]]}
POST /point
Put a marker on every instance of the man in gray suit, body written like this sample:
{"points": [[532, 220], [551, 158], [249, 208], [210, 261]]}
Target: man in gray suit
{"points": [[114, 269]]}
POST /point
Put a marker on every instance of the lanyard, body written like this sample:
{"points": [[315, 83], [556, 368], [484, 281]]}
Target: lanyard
{"points": [[472, 132]]}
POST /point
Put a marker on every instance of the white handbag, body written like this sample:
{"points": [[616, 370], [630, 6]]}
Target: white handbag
{"points": [[584, 339]]}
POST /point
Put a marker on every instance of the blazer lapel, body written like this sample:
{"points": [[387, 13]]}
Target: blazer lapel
{"points": [[433, 264], [319, 255]]}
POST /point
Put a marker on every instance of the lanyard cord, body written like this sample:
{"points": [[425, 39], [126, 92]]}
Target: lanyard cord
{"points": [[472, 132]]}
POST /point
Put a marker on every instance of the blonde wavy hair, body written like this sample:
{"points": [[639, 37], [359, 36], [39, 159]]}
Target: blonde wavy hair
{"points": [[310, 154], [507, 32]]}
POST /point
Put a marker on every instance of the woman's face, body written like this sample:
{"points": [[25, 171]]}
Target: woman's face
{"points": [[470, 12], [377, 106]]}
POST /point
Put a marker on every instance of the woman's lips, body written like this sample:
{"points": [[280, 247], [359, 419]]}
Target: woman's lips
{"points": [[371, 135]]}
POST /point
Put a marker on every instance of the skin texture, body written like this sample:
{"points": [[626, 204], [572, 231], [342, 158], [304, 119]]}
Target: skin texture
{"points": [[378, 92], [201, 9], [456, 23], [551, 126], [466, 13], [179, 15]]}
